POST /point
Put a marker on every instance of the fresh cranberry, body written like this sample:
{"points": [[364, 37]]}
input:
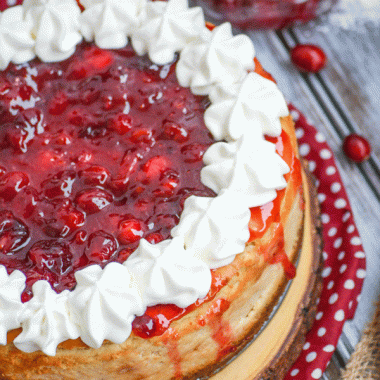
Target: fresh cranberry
{"points": [[101, 247], [130, 231], [356, 147], [13, 233], [93, 200], [309, 58]]}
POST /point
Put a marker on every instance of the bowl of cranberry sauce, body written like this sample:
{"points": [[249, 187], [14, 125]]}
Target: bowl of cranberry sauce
{"points": [[260, 14], [96, 153]]}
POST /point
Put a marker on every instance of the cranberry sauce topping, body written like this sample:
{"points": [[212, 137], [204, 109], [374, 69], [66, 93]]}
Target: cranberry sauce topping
{"points": [[97, 152]]}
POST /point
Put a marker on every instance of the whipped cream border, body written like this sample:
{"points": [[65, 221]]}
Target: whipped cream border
{"points": [[211, 231]]}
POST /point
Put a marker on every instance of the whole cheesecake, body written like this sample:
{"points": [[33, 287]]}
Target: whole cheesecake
{"points": [[152, 202]]}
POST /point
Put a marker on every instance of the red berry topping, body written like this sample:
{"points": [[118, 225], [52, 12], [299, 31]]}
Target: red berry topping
{"points": [[154, 238], [156, 166], [13, 233], [105, 157], [93, 200], [51, 256], [101, 247], [11, 184], [308, 58], [130, 231], [95, 175], [356, 147], [175, 132], [121, 123]]}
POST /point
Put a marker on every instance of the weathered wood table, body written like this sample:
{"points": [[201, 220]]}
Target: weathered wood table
{"points": [[341, 99]]}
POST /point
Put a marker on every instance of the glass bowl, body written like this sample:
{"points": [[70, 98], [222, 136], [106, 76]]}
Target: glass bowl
{"points": [[260, 14]]}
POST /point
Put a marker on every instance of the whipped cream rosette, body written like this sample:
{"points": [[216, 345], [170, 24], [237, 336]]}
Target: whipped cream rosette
{"points": [[105, 304], [110, 22], [45, 321], [166, 29], [55, 27], [11, 307], [16, 41], [244, 170], [215, 58], [166, 273]]}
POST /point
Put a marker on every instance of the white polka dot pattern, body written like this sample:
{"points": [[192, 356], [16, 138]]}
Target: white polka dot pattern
{"points": [[344, 266], [317, 373]]}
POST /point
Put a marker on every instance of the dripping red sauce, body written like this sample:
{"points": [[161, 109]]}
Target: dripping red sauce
{"points": [[157, 319], [221, 329], [174, 355], [262, 217]]}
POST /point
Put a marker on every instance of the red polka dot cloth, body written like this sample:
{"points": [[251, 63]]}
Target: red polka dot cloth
{"points": [[344, 259]]}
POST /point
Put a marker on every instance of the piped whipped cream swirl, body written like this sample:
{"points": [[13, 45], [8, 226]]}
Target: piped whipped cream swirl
{"points": [[16, 41], [110, 22], [55, 27], [242, 168]]}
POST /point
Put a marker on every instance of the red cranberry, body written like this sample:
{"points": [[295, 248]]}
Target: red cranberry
{"points": [[308, 58], [121, 124], [175, 132], [13, 233], [2, 171], [156, 166], [124, 254], [25, 203], [58, 218], [59, 103], [97, 58], [101, 247], [50, 159], [50, 255], [95, 175], [145, 326], [130, 231], [142, 135], [11, 184], [193, 152], [59, 185], [356, 147], [154, 238], [93, 200]]}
